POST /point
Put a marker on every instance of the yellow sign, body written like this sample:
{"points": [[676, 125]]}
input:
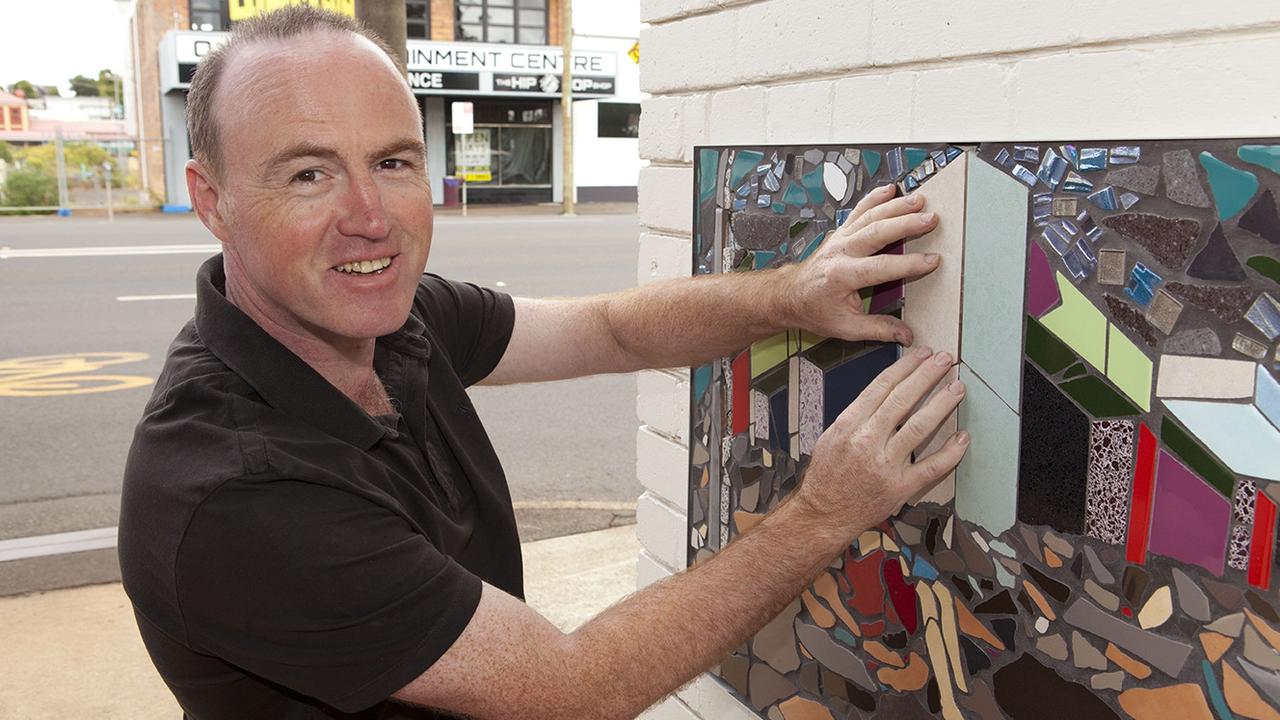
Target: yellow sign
{"points": [[72, 374], [478, 176], [633, 53], [242, 9]]}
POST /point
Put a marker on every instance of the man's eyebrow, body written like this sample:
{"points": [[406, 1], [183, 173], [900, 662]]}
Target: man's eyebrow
{"points": [[412, 145], [299, 150]]}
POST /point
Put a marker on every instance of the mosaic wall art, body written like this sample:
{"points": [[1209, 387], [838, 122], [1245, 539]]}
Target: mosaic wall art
{"points": [[1107, 549]]}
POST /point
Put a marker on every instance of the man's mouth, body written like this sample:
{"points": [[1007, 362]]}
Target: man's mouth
{"points": [[364, 267]]}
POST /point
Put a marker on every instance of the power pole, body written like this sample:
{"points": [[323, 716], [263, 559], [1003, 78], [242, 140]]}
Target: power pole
{"points": [[387, 19], [566, 101]]}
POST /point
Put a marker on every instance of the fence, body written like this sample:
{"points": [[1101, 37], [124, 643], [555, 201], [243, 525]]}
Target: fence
{"points": [[71, 174]]}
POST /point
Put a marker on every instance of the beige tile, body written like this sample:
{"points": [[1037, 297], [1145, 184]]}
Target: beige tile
{"points": [[1189, 376]]}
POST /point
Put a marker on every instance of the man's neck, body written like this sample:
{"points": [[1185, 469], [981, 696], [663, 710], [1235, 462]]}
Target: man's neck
{"points": [[346, 364]]}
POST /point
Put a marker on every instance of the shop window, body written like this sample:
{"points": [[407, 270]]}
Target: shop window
{"points": [[502, 21], [618, 120], [210, 14], [417, 19]]}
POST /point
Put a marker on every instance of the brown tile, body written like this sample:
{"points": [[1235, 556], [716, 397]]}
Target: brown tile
{"points": [[1185, 701], [1164, 311], [1134, 667], [1242, 698], [909, 679], [1111, 267], [1214, 645]]}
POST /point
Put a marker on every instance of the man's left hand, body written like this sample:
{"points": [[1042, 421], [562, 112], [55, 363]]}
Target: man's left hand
{"points": [[822, 293]]}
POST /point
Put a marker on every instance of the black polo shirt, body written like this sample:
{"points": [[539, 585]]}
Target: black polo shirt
{"points": [[289, 556]]}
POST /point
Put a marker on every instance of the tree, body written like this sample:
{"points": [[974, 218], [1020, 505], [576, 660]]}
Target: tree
{"points": [[108, 82], [29, 186], [6, 152], [83, 86], [29, 91]]}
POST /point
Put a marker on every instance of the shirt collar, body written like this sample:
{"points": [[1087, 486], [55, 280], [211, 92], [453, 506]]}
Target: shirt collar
{"points": [[284, 380]]}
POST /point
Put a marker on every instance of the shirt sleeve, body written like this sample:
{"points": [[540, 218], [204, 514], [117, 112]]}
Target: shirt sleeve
{"points": [[473, 324], [319, 590]]}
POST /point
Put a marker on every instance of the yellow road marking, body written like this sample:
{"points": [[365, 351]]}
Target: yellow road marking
{"points": [[69, 374]]}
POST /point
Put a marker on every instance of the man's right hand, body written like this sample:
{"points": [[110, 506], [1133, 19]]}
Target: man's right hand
{"points": [[862, 470]]}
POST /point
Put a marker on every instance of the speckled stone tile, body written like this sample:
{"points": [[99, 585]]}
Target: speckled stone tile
{"points": [[1111, 447]]}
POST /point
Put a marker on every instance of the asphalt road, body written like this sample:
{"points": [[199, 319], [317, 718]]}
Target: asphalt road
{"points": [[568, 447]]}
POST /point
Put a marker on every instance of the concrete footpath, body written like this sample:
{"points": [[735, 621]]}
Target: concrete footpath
{"points": [[76, 653]]}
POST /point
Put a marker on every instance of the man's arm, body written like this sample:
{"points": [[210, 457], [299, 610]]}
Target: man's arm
{"points": [[687, 322], [511, 662]]}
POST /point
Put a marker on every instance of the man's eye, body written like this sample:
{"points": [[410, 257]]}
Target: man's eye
{"points": [[307, 176], [393, 164]]}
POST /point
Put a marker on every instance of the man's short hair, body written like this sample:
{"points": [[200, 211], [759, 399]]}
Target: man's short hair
{"points": [[287, 22]]}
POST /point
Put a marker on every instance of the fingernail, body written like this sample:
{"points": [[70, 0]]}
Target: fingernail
{"points": [[923, 352], [914, 199], [956, 387], [932, 258], [943, 359], [962, 438], [904, 338], [926, 218]]}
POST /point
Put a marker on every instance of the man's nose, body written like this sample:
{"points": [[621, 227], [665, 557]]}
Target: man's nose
{"points": [[365, 215]]}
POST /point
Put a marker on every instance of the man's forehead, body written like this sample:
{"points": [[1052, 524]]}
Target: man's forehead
{"points": [[323, 51]]}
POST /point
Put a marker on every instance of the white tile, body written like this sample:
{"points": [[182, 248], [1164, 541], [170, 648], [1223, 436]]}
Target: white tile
{"points": [[1188, 376]]}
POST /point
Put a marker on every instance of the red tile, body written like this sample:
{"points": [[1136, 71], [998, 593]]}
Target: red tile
{"points": [[1144, 486], [742, 392], [1262, 545]]}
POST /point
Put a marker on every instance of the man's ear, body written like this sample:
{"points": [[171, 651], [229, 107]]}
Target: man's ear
{"points": [[202, 187]]}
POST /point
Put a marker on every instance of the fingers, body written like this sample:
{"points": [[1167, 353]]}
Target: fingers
{"points": [[885, 328], [928, 470], [874, 395], [879, 269], [893, 207], [925, 421], [875, 237], [908, 393], [876, 197]]}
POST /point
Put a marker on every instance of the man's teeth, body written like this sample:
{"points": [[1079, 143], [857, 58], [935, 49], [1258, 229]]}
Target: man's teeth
{"points": [[364, 267]]}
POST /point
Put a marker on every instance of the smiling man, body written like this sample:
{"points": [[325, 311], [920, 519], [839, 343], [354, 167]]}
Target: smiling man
{"points": [[314, 524]]}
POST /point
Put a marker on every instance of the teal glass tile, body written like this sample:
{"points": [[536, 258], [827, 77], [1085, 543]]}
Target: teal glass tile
{"points": [[1232, 188], [795, 195], [1267, 156], [915, 156], [991, 331], [987, 478], [813, 183], [701, 379], [872, 159], [744, 163], [708, 164], [808, 249]]}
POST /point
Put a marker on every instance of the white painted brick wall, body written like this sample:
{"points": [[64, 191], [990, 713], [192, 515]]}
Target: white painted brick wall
{"points": [[723, 72]]}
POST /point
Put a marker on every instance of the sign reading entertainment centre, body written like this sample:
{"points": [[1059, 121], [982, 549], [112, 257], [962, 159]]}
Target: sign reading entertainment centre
{"points": [[442, 67]]}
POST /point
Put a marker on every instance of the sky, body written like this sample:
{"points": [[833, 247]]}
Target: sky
{"points": [[49, 41]]}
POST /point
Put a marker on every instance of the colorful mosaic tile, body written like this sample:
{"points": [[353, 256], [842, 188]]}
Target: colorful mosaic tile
{"points": [[1111, 544]]}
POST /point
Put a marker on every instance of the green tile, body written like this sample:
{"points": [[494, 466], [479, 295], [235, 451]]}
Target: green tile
{"points": [[1266, 266], [1197, 458], [1097, 398], [797, 228], [1076, 371], [987, 478], [1079, 324], [1045, 350], [1129, 368], [768, 353]]}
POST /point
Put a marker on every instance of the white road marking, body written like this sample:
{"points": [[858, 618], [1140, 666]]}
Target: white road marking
{"points": [[140, 298], [108, 250], [57, 544], [574, 505]]}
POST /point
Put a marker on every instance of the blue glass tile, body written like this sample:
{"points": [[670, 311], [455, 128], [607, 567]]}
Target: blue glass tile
{"points": [[1052, 169], [1076, 265], [1059, 242], [1106, 198], [1142, 284], [778, 435], [842, 215], [1093, 159], [1264, 314], [1071, 154], [1125, 155], [1067, 226], [1003, 159], [739, 204], [910, 183], [953, 152], [1086, 252], [772, 183], [1267, 395], [764, 201], [1076, 184], [1025, 175], [1090, 228], [939, 158], [744, 190], [1042, 208], [1128, 200], [1026, 153], [897, 162], [807, 213]]}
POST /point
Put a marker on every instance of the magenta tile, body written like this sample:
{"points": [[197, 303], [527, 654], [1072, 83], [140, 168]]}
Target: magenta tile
{"points": [[1190, 519], [1042, 289]]}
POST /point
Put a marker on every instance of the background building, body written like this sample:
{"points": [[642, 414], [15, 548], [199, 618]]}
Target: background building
{"points": [[885, 71], [501, 55]]}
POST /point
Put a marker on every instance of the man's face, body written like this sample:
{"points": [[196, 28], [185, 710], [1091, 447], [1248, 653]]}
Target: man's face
{"points": [[324, 194]]}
